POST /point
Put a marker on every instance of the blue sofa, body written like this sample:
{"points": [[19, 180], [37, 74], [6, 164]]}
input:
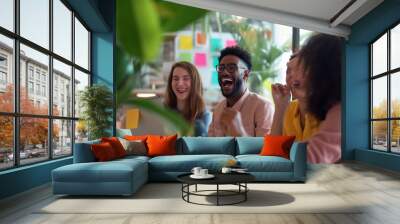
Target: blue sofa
{"points": [[125, 176]]}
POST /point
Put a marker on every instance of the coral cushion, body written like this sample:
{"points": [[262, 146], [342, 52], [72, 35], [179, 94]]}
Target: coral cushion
{"points": [[135, 137], [103, 151], [277, 146], [116, 145], [161, 145]]}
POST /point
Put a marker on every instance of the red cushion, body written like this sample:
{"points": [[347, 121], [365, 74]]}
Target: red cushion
{"points": [[116, 145], [161, 145], [277, 146], [103, 151]]}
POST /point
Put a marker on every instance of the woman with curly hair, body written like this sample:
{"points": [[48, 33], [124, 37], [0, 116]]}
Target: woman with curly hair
{"points": [[313, 79]]}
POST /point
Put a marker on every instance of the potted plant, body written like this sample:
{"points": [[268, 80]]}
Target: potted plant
{"points": [[96, 103]]}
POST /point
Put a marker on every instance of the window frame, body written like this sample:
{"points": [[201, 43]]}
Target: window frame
{"points": [[16, 115], [388, 74]]}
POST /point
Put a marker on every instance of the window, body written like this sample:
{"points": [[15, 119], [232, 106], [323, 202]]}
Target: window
{"points": [[30, 87], [43, 90], [7, 14], [53, 125], [30, 72], [37, 75], [81, 45], [3, 61], [34, 22], [385, 95], [3, 72], [38, 89]]}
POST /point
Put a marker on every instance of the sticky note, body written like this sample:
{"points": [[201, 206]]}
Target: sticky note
{"points": [[216, 44], [230, 43], [215, 61], [132, 118], [183, 56], [185, 42], [201, 39], [200, 59], [214, 78]]}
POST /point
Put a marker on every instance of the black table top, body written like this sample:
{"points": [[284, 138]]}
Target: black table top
{"points": [[220, 178]]}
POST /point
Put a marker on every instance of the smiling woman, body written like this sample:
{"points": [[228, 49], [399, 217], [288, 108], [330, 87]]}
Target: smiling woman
{"points": [[184, 94]]}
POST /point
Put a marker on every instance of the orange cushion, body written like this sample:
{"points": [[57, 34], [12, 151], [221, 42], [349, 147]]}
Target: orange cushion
{"points": [[277, 146], [103, 151], [161, 145], [135, 137], [116, 145]]}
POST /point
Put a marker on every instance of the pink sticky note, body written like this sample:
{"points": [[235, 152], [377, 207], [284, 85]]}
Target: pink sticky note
{"points": [[200, 59], [230, 43]]}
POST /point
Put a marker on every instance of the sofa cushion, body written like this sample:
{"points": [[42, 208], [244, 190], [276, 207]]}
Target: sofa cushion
{"points": [[257, 163], [103, 151], [277, 145], [159, 145], [116, 145], [134, 147], [112, 171], [83, 152], [249, 145], [185, 163], [206, 145]]}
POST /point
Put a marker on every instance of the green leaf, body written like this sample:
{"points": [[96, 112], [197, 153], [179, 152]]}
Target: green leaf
{"points": [[175, 17], [167, 114], [138, 28]]}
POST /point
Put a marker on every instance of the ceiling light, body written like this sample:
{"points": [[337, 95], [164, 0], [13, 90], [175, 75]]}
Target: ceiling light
{"points": [[145, 95]]}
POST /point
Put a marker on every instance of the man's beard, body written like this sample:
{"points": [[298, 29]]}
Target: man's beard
{"points": [[236, 90]]}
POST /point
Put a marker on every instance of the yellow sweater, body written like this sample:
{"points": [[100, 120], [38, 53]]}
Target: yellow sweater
{"points": [[292, 124]]}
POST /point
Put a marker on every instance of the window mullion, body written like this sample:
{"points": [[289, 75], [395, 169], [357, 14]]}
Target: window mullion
{"points": [[50, 81], [389, 114], [73, 82]]}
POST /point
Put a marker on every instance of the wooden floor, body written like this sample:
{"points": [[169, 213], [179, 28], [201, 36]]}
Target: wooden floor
{"points": [[378, 188]]}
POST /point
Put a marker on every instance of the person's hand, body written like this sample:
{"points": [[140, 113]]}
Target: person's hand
{"points": [[281, 96], [232, 122]]}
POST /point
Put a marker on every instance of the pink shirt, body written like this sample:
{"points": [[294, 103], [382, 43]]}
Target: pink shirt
{"points": [[325, 145], [256, 113]]}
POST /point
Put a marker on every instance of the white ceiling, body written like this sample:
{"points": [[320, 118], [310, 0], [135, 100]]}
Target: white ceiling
{"points": [[320, 9], [315, 15]]}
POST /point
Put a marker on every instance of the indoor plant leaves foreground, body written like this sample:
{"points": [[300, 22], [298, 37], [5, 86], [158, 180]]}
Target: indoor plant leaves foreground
{"points": [[140, 28]]}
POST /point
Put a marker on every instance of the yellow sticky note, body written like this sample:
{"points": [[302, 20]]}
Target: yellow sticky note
{"points": [[185, 42], [132, 118]]}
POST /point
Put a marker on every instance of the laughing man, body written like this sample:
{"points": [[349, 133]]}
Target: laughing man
{"points": [[241, 113]]}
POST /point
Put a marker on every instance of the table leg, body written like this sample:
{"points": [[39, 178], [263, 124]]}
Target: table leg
{"points": [[217, 194], [196, 188], [245, 191]]}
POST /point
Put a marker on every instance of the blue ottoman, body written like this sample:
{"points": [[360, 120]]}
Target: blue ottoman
{"points": [[118, 177]]}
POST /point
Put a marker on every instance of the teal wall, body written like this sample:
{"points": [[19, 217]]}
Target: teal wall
{"points": [[99, 16], [103, 63], [356, 100], [24, 178]]}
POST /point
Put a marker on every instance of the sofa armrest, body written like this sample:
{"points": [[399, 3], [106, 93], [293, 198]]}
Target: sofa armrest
{"points": [[298, 155], [83, 152]]}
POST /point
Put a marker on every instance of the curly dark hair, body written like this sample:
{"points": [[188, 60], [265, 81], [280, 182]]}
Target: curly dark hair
{"points": [[238, 52], [322, 60]]}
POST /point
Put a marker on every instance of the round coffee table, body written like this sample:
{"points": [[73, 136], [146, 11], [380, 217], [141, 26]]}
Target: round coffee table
{"points": [[238, 179]]}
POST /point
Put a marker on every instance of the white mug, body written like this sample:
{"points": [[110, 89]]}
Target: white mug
{"points": [[196, 171], [203, 172], [226, 170]]}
